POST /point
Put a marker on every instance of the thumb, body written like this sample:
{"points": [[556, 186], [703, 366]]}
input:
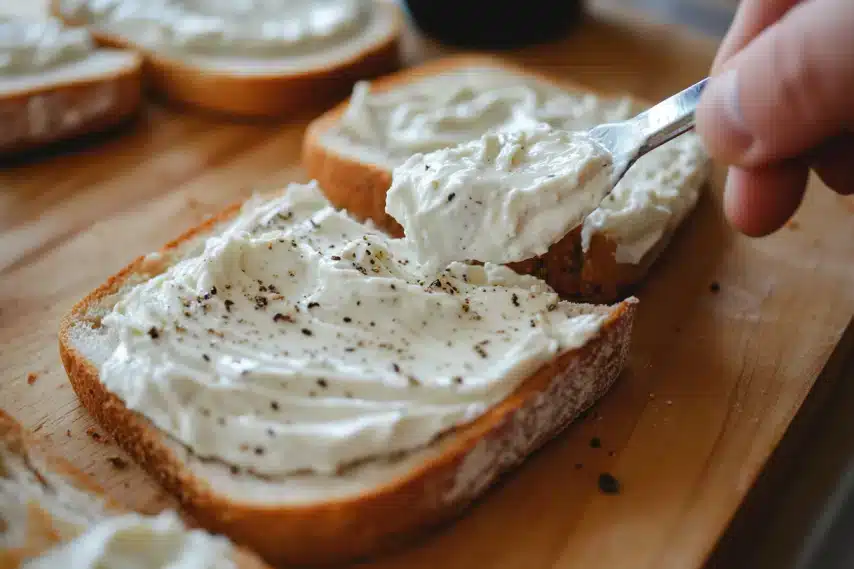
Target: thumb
{"points": [[786, 91]]}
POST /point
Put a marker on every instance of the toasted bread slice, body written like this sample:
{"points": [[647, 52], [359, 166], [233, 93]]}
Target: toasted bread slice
{"points": [[70, 99], [45, 502], [356, 176], [311, 518], [256, 87]]}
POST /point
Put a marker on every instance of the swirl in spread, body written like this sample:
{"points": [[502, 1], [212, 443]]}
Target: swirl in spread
{"points": [[503, 198], [460, 105], [29, 46], [299, 340], [258, 28]]}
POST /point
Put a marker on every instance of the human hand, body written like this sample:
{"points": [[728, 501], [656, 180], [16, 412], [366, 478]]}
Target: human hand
{"points": [[781, 102]]}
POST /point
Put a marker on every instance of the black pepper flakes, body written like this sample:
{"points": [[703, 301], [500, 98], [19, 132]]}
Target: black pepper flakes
{"points": [[228, 305], [313, 305], [347, 319], [595, 442], [274, 405], [608, 484], [322, 383], [515, 299], [206, 357], [451, 196], [307, 332], [260, 302], [279, 317], [154, 333], [715, 287], [396, 368]]}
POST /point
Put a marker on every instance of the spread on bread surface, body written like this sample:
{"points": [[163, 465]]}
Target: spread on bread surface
{"points": [[385, 127], [32, 46], [505, 197], [256, 28], [294, 339]]}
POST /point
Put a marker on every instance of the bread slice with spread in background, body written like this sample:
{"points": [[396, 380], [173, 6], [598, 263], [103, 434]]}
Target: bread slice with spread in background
{"points": [[255, 60], [292, 377], [353, 149], [56, 84]]}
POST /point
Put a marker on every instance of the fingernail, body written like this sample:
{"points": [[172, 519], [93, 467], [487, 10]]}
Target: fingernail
{"points": [[720, 120]]}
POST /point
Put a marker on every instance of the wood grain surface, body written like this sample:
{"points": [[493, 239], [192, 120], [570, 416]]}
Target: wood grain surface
{"points": [[732, 332]]}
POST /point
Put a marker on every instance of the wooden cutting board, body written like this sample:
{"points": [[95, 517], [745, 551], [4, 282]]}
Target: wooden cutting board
{"points": [[731, 336]]}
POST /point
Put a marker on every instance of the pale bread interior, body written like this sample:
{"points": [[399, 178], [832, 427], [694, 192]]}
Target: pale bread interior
{"points": [[96, 343], [100, 64]]}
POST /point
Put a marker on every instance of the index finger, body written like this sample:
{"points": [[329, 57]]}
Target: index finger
{"points": [[751, 18]]}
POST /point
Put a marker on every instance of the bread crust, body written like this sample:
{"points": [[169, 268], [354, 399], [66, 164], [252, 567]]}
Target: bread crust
{"points": [[360, 187], [436, 490], [40, 536], [83, 97], [273, 95]]}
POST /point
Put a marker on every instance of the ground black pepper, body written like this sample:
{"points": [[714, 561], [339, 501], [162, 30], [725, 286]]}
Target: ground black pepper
{"points": [[595, 442], [608, 484], [154, 333], [715, 287]]}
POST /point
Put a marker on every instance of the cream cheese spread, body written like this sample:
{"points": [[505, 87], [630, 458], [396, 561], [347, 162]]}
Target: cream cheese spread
{"points": [[139, 542], [505, 197], [260, 28], [460, 105], [297, 340], [32, 46]]}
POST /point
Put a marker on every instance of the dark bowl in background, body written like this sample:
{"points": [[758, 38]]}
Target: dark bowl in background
{"points": [[495, 24]]}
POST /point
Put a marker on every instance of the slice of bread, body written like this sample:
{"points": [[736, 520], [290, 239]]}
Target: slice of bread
{"points": [[69, 99], [600, 266], [45, 502], [311, 518], [261, 87]]}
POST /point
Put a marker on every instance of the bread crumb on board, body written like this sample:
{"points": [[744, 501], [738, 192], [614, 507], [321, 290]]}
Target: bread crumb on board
{"points": [[95, 435], [32, 377], [118, 462]]}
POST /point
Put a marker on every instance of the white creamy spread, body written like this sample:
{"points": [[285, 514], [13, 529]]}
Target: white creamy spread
{"points": [[253, 27], [387, 127], [299, 340], [133, 541], [31, 46], [504, 197]]}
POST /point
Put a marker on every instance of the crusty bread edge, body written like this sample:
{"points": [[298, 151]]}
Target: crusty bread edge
{"points": [[124, 85], [360, 187], [258, 96], [14, 437], [353, 528]]}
